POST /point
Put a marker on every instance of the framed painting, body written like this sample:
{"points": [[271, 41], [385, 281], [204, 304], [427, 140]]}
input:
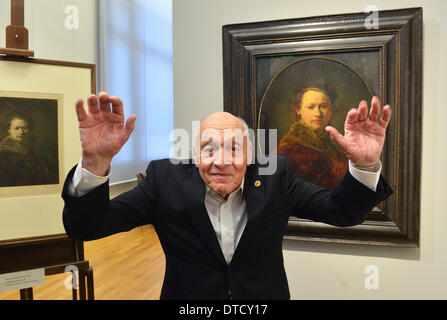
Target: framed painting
{"points": [[31, 158], [39, 143], [297, 76]]}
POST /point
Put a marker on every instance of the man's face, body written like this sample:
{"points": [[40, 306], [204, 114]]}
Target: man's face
{"points": [[18, 129], [316, 110], [224, 155]]}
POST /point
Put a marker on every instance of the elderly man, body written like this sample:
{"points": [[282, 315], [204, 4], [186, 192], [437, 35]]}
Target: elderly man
{"points": [[219, 221]]}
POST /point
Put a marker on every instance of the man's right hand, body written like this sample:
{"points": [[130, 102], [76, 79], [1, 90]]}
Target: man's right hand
{"points": [[102, 131]]}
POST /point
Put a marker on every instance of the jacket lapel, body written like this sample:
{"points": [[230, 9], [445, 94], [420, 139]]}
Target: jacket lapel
{"points": [[254, 201], [195, 202], [253, 194]]}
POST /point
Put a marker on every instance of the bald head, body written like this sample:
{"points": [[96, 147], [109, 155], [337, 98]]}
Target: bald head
{"points": [[221, 121]]}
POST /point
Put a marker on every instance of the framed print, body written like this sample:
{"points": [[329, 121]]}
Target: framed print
{"points": [[39, 143], [31, 158], [276, 72]]}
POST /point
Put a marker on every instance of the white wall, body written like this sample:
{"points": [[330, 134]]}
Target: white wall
{"points": [[315, 270], [48, 36]]}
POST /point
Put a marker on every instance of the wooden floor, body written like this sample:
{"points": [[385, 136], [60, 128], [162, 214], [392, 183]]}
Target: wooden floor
{"points": [[126, 266]]}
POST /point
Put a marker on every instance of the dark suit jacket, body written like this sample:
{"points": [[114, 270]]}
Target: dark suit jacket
{"points": [[171, 197]]}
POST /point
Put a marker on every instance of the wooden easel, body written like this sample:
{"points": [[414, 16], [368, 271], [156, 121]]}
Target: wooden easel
{"points": [[16, 33], [55, 252]]}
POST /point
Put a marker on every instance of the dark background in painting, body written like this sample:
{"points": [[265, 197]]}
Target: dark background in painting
{"points": [[350, 88], [44, 131]]}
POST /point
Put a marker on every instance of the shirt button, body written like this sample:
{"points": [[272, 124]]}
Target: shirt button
{"points": [[225, 205]]}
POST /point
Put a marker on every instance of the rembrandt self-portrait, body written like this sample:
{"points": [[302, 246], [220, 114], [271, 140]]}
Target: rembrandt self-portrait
{"points": [[24, 160], [311, 153], [301, 98], [19, 164]]}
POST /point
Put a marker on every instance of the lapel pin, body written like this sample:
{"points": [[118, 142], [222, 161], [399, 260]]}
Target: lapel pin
{"points": [[257, 183]]}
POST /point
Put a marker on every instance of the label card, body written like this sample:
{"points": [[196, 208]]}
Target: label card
{"points": [[21, 280]]}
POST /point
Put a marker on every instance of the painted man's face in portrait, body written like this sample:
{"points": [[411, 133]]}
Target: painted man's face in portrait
{"points": [[316, 109], [18, 129]]}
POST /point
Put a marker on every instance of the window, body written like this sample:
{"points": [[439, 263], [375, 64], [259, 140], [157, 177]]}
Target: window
{"points": [[135, 64]]}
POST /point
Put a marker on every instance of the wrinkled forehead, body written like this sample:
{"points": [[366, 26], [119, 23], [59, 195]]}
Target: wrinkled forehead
{"points": [[224, 136]]}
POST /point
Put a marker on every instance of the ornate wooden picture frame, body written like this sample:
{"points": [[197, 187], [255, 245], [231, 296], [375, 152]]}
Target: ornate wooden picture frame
{"points": [[267, 65]]}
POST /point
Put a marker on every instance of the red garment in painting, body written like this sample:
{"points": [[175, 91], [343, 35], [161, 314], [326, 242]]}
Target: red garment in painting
{"points": [[313, 157]]}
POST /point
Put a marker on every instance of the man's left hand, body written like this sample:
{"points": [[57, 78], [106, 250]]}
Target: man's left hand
{"points": [[364, 135]]}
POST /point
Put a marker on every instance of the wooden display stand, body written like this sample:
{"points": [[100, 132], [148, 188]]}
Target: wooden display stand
{"points": [[53, 252]]}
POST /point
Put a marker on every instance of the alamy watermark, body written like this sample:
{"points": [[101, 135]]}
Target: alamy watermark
{"points": [[72, 281], [372, 279], [72, 19], [229, 146], [372, 20]]}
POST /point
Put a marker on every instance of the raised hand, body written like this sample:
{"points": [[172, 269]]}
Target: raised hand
{"points": [[364, 135], [102, 131]]}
